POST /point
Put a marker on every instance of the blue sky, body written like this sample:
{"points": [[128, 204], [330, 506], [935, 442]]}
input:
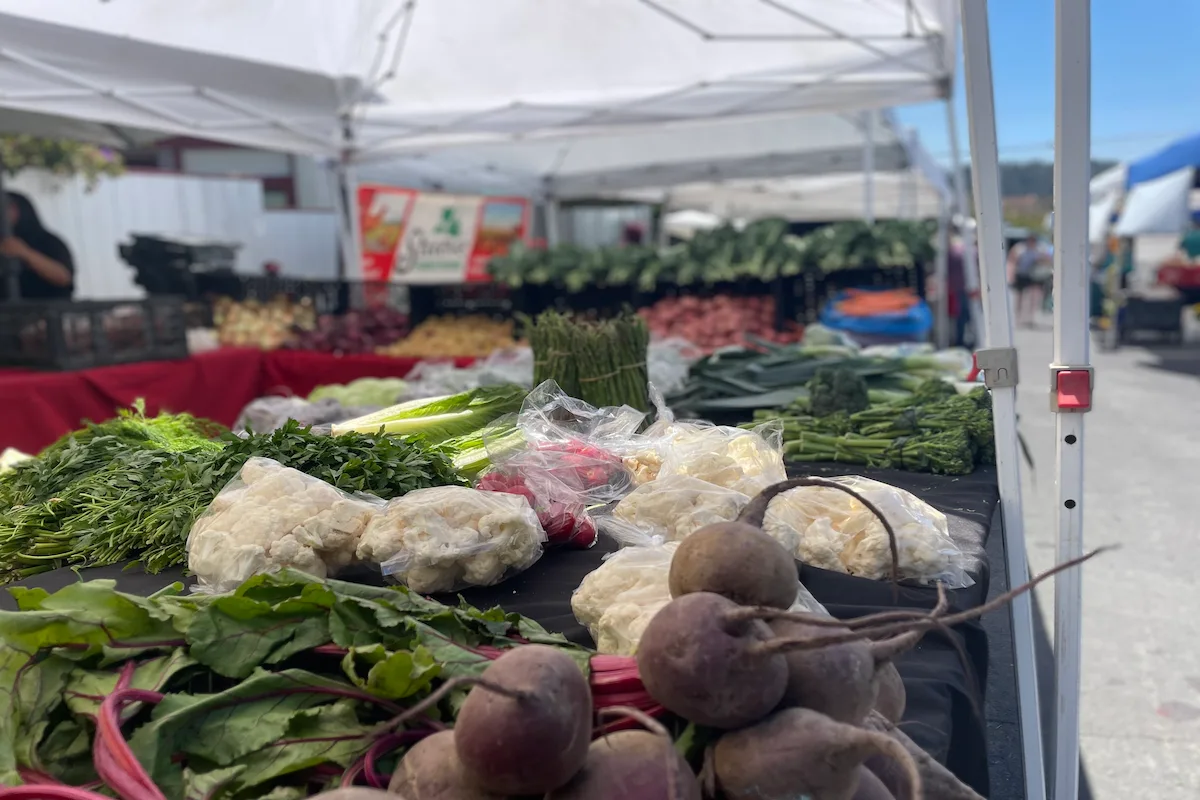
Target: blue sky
{"points": [[1145, 79]]}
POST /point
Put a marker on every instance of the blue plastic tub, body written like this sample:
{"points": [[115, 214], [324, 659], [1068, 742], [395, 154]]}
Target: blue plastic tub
{"points": [[912, 325]]}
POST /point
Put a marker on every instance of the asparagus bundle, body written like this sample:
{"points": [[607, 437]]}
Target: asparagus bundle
{"points": [[601, 363]]}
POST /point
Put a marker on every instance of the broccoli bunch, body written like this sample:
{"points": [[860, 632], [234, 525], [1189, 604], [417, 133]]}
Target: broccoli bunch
{"points": [[837, 389]]}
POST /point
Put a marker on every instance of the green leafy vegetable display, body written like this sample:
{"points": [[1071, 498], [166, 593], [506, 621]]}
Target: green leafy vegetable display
{"points": [[934, 430], [762, 250], [112, 493], [274, 690]]}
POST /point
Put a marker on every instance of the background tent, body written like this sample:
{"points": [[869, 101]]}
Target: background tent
{"points": [[1184, 153], [1158, 206]]}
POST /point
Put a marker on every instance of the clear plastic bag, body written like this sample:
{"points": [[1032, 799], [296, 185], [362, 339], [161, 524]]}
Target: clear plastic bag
{"points": [[269, 413], [675, 505], [551, 415], [668, 362], [446, 538], [438, 378], [746, 461], [560, 483], [272, 517], [617, 600], [829, 529]]}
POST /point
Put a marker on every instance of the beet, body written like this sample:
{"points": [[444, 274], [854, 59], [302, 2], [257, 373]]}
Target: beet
{"points": [[430, 770], [533, 738], [707, 668], [891, 696], [838, 680], [798, 752], [938, 781], [357, 793], [737, 561], [870, 787], [632, 765]]}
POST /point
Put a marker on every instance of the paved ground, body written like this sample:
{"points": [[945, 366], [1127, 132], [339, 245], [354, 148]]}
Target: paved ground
{"points": [[1141, 648]]}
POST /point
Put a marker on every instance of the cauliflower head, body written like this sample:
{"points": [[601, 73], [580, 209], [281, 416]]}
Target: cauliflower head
{"points": [[446, 537], [273, 517], [674, 506], [617, 600], [732, 458], [829, 529]]}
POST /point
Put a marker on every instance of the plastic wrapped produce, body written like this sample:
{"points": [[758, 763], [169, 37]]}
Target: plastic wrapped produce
{"points": [[272, 517], [831, 530], [675, 505], [449, 537]]}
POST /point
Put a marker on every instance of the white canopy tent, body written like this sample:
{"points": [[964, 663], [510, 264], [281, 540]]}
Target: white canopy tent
{"points": [[136, 70], [906, 194], [609, 163], [1158, 206]]}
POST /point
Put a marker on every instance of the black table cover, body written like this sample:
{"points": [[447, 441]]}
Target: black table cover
{"points": [[945, 696]]}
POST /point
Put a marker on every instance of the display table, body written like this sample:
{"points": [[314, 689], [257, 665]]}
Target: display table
{"points": [[39, 407], [945, 695]]}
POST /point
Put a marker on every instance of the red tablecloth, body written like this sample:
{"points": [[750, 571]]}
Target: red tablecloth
{"points": [[37, 408]]}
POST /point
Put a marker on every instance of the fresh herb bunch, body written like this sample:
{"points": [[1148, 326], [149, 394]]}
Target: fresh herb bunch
{"points": [[602, 363], [140, 503], [284, 684], [83, 452]]}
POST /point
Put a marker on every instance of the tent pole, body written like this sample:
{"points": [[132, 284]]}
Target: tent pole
{"points": [[869, 167], [970, 265], [1072, 167], [941, 272], [999, 362], [551, 212]]}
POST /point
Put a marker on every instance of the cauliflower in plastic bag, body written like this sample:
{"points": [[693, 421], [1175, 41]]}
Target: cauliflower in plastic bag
{"points": [[272, 517], [616, 601], [446, 537], [742, 460], [831, 530], [675, 505]]}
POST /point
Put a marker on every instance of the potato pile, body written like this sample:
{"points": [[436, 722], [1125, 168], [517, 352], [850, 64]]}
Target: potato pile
{"points": [[263, 325], [450, 337]]}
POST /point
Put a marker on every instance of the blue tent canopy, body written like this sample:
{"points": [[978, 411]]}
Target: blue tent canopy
{"points": [[1173, 157]]}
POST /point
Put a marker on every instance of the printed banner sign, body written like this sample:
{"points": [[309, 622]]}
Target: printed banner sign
{"points": [[418, 238]]}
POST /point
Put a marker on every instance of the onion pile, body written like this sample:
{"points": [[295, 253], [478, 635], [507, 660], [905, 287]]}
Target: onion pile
{"points": [[353, 332]]}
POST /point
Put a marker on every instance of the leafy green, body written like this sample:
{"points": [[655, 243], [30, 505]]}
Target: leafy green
{"points": [[362, 392], [837, 389], [255, 689], [139, 501], [440, 418]]}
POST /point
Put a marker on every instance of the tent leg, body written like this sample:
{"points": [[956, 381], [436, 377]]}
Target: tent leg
{"points": [[553, 219], [941, 273], [869, 167], [970, 264], [1000, 353], [345, 197], [1072, 168]]}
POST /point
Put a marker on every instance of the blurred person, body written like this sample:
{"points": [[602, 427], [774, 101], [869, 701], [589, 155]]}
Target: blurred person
{"points": [[1023, 263], [1189, 244], [47, 270]]}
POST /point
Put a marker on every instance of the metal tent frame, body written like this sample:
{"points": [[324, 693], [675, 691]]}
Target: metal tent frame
{"points": [[1071, 375]]}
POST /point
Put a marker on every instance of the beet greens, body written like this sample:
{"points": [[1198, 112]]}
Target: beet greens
{"points": [[283, 687]]}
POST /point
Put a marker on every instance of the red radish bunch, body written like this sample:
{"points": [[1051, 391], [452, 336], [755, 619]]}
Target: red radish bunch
{"points": [[718, 321], [565, 521], [580, 465]]}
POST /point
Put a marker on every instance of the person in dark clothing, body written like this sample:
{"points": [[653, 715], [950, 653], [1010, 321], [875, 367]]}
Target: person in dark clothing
{"points": [[47, 270], [958, 307]]}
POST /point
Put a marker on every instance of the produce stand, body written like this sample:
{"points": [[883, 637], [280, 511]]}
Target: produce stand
{"points": [[943, 692], [40, 407]]}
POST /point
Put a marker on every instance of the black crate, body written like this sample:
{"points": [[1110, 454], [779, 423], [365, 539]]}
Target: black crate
{"points": [[184, 267], [460, 299], [67, 335]]}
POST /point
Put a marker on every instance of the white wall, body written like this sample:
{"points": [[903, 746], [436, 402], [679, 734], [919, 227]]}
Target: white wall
{"points": [[94, 223], [303, 242]]}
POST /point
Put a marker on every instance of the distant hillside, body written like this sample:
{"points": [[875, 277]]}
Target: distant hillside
{"points": [[1021, 179]]}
